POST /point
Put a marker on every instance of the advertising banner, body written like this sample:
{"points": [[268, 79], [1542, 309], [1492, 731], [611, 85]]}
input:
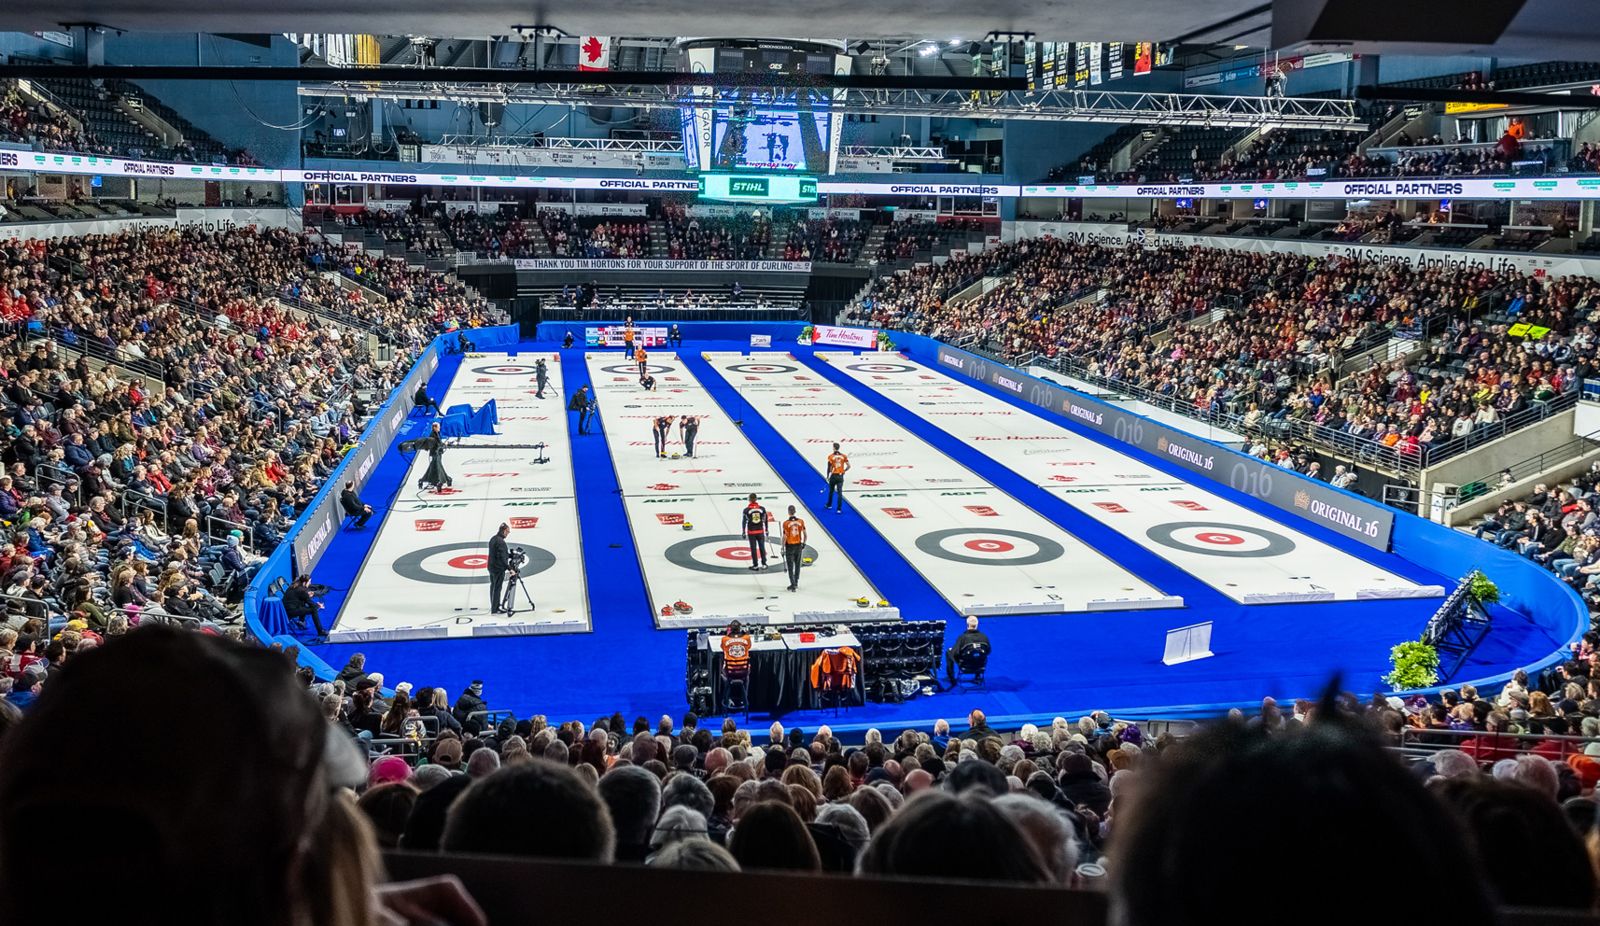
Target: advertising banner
{"points": [[1393, 188], [611, 336], [724, 266], [862, 338], [507, 156], [1317, 502], [1538, 264]]}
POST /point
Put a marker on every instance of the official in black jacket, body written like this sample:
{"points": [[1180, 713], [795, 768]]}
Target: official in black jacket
{"points": [[297, 602], [499, 562], [969, 637]]}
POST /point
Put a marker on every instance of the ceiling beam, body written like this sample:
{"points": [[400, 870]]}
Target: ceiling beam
{"points": [[476, 75]]}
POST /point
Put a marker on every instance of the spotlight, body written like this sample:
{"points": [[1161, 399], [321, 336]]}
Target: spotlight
{"points": [[927, 50], [954, 42]]}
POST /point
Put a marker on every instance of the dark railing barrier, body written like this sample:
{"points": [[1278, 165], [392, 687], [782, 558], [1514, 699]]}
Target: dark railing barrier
{"points": [[522, 890]]}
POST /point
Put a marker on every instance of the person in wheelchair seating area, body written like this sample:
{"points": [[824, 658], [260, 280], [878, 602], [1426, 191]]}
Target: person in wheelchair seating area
{"points": [[970, 637]]}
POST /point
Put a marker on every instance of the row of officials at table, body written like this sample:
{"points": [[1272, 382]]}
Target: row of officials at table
{"points": [[832, 672]]}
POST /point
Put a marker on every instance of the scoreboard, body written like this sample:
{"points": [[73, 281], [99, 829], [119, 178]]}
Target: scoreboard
{"points": [[758, 188]]}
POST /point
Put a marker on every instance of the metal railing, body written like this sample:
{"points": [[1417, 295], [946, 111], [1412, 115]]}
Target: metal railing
{"points": [[330, 314], [1356, 448], [60, 474], [1529, 466], [212, 523], [1421, 744], [133, 500]]}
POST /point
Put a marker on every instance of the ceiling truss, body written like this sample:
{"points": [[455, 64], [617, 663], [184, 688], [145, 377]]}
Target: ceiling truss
{"points": [[1171, 109]]}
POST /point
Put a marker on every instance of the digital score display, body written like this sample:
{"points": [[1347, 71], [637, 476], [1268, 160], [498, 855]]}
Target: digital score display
{"points": [[758, 188]]}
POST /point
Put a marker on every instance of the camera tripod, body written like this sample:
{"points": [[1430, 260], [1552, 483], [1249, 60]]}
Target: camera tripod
{"points": [[514, 581]]}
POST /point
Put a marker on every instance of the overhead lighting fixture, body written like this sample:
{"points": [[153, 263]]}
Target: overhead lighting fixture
{"points": [[927, 50], [954, 42]]}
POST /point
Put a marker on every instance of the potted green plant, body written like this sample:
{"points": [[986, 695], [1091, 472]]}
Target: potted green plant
{"points": [[806, 335], [1413, 664], [1482, 589]]}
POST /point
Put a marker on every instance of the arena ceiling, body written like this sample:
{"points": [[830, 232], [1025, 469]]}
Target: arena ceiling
{"points": [[1540, 29], [1087, 20]]}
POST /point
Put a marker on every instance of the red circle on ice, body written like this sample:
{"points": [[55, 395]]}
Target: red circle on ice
{"points": [[734, 552], [469, 561], [1219, 538], [988, 545]]}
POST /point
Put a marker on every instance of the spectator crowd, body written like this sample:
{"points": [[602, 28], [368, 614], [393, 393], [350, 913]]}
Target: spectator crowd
{"points": [[1273, 360], [349, 767]]}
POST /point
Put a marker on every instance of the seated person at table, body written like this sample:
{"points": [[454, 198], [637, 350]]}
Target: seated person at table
{"points": [[736, 647]]}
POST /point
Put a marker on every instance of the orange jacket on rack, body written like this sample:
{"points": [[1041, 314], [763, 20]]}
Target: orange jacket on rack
{"points": [[835, 669]]}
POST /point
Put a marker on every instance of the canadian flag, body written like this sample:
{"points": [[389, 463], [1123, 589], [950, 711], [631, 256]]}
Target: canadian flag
{"points": [[594, 53]]}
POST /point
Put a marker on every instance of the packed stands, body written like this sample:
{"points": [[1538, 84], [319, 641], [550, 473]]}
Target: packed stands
{"points": [[43, 127], [1558, 528], [170, 413], [1457, 781], [114, 131], [571, 236], [828, 240], [691, 237], [1197, 153], [1273, 361]]}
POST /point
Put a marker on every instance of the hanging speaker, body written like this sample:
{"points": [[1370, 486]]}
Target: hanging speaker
{"points": [[489, 113]]}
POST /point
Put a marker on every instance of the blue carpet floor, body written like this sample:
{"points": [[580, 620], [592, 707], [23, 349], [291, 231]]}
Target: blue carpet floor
{"points": [[1043, 665]]}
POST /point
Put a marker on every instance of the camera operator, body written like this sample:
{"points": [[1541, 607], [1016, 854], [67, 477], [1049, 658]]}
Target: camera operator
{"points": [[499, 562]]}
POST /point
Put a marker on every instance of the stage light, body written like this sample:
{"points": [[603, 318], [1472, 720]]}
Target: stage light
{"points": [[955, 42], [927, 50]]}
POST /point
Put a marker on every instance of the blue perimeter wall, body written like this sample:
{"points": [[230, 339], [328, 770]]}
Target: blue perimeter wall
{"points": [[1527, 592]]}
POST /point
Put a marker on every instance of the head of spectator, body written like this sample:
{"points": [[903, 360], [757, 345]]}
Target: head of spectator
{"points": [[677, 824], [771, 836], [258, 822], [915, 842], [694, 855], [976, 775], [633, 796], [1503, 819], [1222, 794], [540, 809]]}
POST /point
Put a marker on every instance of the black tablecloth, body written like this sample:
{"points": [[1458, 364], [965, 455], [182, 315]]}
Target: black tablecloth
{"points": [[780, 681]]}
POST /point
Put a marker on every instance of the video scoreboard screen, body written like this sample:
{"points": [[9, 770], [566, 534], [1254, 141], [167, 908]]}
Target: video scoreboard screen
{"points": [[784, 130]]}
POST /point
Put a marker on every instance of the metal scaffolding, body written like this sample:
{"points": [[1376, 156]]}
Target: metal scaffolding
{"points": [[1173, 109], [896, 152], [550, 143]]}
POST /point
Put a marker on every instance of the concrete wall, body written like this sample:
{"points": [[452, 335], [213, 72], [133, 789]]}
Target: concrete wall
{"points": [[32, 46], [1467, 512], [1503, 452]]}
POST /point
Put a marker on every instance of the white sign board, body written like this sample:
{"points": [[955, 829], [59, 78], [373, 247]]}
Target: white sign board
{"points": [[761, 340], [862, 338], [1186, 644]]}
